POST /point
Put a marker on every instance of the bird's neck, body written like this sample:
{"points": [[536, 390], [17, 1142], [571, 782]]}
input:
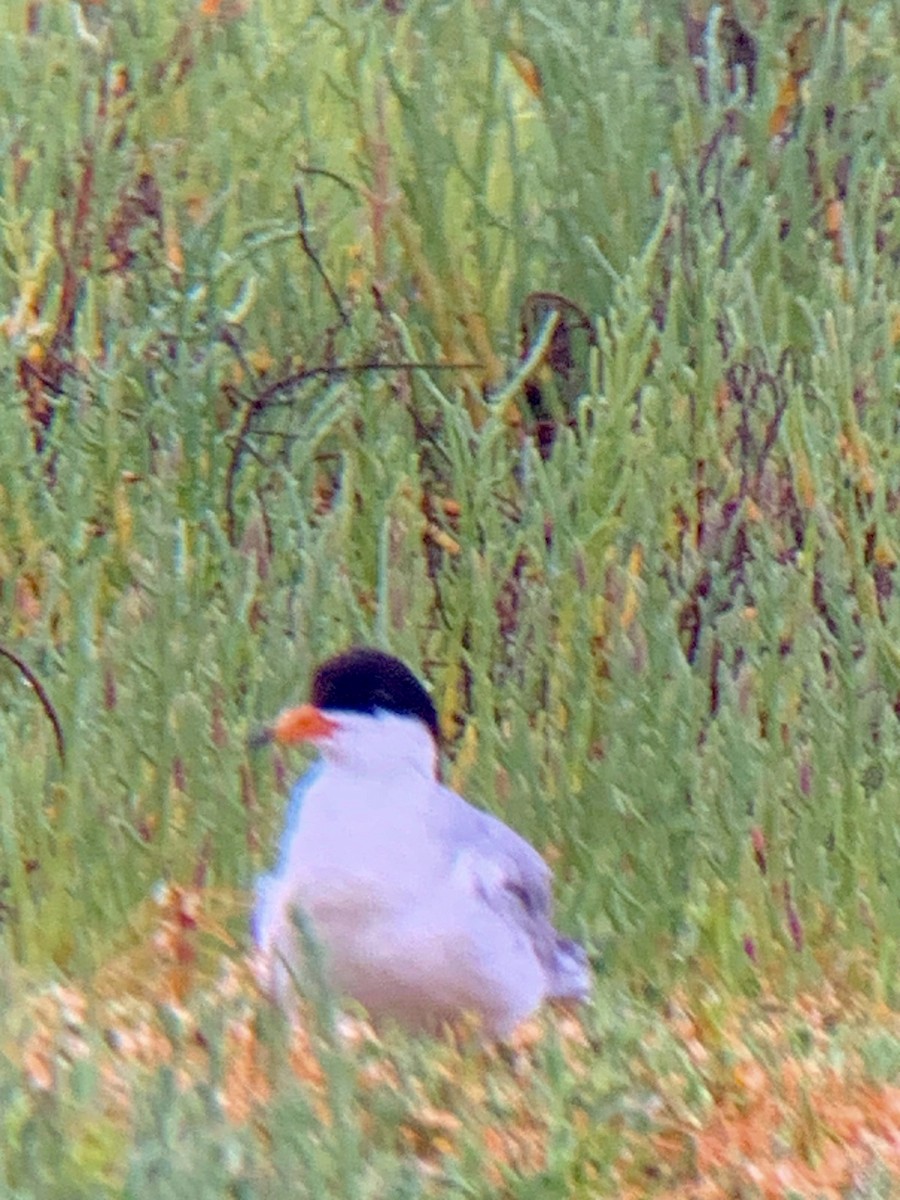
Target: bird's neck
{"points": [[386, 747], [390, 768]]}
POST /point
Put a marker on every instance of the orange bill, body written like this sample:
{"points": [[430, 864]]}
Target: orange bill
{"points": [[304, 724]]}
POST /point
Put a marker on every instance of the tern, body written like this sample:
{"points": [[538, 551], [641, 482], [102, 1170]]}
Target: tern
{"points": [[424, 907]]}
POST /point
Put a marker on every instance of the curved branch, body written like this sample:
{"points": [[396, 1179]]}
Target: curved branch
{"points": [[41, 693]]}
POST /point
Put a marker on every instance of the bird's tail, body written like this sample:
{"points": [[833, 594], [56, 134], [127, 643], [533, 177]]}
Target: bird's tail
{"points": [[570, 975]]}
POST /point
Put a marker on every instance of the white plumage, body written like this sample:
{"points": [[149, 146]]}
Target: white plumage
{"points": [[425, 907]]}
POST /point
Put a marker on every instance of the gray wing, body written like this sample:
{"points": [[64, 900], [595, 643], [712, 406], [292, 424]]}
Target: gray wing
{"points": [[515, 881], [507, 860]]}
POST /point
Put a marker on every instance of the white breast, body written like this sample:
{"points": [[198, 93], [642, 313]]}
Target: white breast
{"points": [[381, 863], [358, 855]]}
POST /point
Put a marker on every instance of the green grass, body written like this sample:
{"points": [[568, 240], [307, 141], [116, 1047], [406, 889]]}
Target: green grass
{"points": [[668, 638]]}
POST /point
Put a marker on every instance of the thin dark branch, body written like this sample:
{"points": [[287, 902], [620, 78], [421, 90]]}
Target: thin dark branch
{"points": [[230, 337], [255, 454], [335, 178], [536, 305], [303, 233], [289, 382], [41, 694], [269, 398], [51, 384]]}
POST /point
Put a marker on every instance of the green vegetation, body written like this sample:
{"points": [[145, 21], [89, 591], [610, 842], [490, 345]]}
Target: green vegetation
{"points": [[553, 347]]}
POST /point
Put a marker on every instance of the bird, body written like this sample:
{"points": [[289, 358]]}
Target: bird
{"points": [[424, 907]]}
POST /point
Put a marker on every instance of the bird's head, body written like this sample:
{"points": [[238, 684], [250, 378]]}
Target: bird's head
{"points": [[366, 709]]}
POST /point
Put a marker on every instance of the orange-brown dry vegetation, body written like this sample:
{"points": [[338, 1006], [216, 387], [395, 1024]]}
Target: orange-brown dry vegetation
{"points": [[759, 1098]]}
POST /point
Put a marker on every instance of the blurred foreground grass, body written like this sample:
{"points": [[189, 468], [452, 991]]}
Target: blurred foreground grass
{"points": [[552, 346]]}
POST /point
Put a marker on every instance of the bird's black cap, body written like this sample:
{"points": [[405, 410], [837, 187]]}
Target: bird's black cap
{"points": [[363, 679]]}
